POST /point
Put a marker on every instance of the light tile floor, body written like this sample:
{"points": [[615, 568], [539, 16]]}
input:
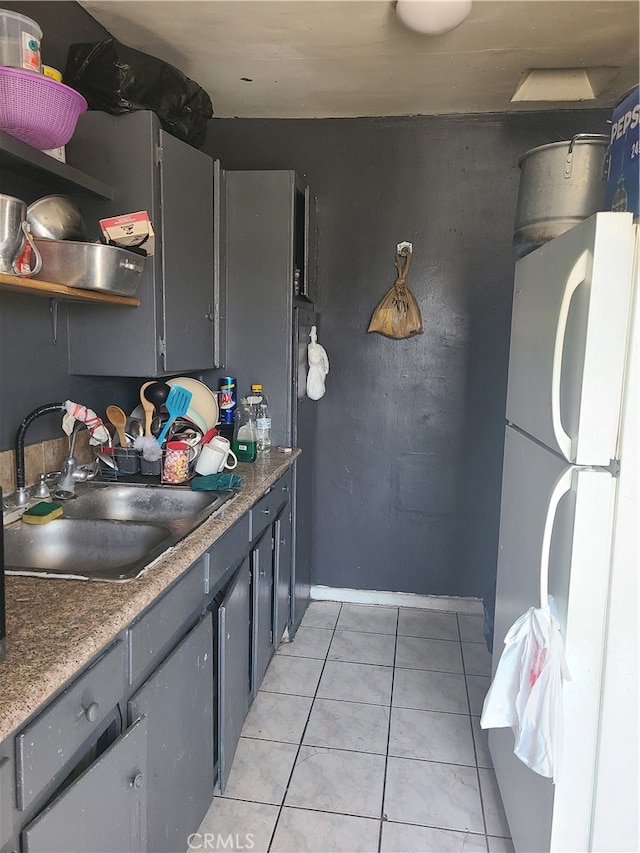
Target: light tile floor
{"points": [[365, 736]]}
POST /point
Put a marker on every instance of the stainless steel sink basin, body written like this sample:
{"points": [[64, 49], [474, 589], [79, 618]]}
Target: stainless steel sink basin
{"points": [[109, 532], [173, 506], [82, 548]]}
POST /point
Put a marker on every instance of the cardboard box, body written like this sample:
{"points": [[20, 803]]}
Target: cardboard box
{"points": [[130, 230], [623, 176]]}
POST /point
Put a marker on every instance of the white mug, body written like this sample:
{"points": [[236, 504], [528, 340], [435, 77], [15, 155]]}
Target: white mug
{"points": [[214, 459], [221, 442]]}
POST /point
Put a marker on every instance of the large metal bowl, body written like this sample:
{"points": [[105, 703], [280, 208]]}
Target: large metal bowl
{"points": [[90, 266], [56, 217]]}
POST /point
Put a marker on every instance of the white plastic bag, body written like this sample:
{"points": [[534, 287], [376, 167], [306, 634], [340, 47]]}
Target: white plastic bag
{"points": [[539, 743], [318, 367], [526, 692]]}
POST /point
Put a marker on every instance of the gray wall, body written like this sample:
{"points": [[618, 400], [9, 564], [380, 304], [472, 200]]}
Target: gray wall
{"points": [[33, 370], [409, 448]]}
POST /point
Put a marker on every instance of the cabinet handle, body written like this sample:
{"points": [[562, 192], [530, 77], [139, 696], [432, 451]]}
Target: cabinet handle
{"points": [[266, 511], [209, 314], [285, 488], [92, 712], [137, 781]]}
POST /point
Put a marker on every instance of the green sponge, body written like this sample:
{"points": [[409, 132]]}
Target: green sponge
{"points": [[42, 513]]}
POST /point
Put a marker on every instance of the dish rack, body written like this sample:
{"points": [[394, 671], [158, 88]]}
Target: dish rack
{"points": [[38, 110], [126, 458]]}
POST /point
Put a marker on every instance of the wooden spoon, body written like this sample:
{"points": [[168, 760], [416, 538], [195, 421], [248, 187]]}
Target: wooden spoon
{"points": [[118, 419], [149, 409]]}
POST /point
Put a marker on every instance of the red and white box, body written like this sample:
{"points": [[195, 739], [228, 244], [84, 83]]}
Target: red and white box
{"points": [[130, 230]]}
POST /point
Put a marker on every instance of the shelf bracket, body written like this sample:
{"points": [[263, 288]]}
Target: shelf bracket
{"points": [[53, 308]]}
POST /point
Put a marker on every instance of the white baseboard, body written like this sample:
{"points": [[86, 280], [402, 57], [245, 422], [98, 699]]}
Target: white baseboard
{"points": [[455, 603]]}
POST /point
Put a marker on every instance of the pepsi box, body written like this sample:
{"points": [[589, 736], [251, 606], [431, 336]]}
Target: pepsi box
{"points": [[623, 175]]}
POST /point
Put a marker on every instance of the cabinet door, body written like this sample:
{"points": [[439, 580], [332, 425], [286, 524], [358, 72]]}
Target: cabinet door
{"points": [[282, 571], [186, 192], [262, 611], [259, 248], [7, 793], [219, 266], [233, 668], [178, 702], [104, 810]]}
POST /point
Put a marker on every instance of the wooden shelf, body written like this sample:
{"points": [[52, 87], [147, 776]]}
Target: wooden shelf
{"points": [[24, 160], [30, 286]]}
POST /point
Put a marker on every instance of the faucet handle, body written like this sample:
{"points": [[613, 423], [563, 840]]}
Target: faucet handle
{"points": [[42, 490]]}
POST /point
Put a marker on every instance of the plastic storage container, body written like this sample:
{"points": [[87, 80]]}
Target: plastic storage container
{"points": [[20, 39]]}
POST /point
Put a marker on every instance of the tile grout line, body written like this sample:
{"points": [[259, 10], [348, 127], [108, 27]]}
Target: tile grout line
{"points": [[386, 757], [286, 790], [473, 740]]}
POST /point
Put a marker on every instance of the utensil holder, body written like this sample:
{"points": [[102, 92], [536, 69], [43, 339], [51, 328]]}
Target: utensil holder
{"points": [[150, 469]]}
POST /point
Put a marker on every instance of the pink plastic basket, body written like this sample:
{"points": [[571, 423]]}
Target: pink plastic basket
{"points": [[38, 110]]}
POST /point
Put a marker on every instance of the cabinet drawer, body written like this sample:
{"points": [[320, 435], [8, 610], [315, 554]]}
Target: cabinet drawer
{"points": [[266, 509], [229, 551], [47, 745], [155, 632]]}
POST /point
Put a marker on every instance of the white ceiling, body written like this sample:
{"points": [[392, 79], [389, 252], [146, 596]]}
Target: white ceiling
{"points": [[345, 58]]}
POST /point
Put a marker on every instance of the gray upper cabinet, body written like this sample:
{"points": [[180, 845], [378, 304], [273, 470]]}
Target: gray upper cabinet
{"points": [[267, 217], [173, 328]]}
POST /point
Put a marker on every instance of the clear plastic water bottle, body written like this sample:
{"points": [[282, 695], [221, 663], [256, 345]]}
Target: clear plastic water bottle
{"points": [[263, 418]]}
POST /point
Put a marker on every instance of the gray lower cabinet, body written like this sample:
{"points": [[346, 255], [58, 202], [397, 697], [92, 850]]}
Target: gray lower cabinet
{"points": [[233, 652], [103, 811], [262, 609], [72, 780], [282, 535], [177, 701], [6, 796]]}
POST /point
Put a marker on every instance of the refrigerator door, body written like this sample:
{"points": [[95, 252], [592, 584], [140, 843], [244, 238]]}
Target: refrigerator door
{"points": [[568, 339], [615, 820], [556, 522]]}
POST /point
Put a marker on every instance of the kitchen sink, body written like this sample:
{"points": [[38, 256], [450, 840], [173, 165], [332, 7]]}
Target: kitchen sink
{"points": [[109, 532]]}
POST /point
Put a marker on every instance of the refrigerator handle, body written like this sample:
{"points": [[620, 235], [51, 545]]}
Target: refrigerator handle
{"points": [[575, 278], [562, 486]]}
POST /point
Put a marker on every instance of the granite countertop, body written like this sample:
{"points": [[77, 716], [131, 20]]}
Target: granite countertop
{"points": [[55, 627]]}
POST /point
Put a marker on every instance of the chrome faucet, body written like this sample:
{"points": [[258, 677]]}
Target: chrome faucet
{"points": [[73, 473], [22, 495]]}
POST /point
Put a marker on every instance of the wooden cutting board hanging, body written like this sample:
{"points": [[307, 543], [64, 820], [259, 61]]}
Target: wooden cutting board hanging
{"points": [[397, 315]]}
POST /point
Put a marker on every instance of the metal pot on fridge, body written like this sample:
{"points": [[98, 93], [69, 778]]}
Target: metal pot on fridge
{"points": [[560, 185], [14, 235]]}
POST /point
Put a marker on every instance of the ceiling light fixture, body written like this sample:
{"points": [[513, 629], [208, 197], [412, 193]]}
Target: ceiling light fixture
{"points": [[432, 17]]}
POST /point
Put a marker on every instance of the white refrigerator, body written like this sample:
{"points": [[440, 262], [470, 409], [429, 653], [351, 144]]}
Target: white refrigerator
{"points": [[569, 509]]}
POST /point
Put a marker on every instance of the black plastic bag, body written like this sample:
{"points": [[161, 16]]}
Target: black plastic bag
{"points": [[118, 79]]}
